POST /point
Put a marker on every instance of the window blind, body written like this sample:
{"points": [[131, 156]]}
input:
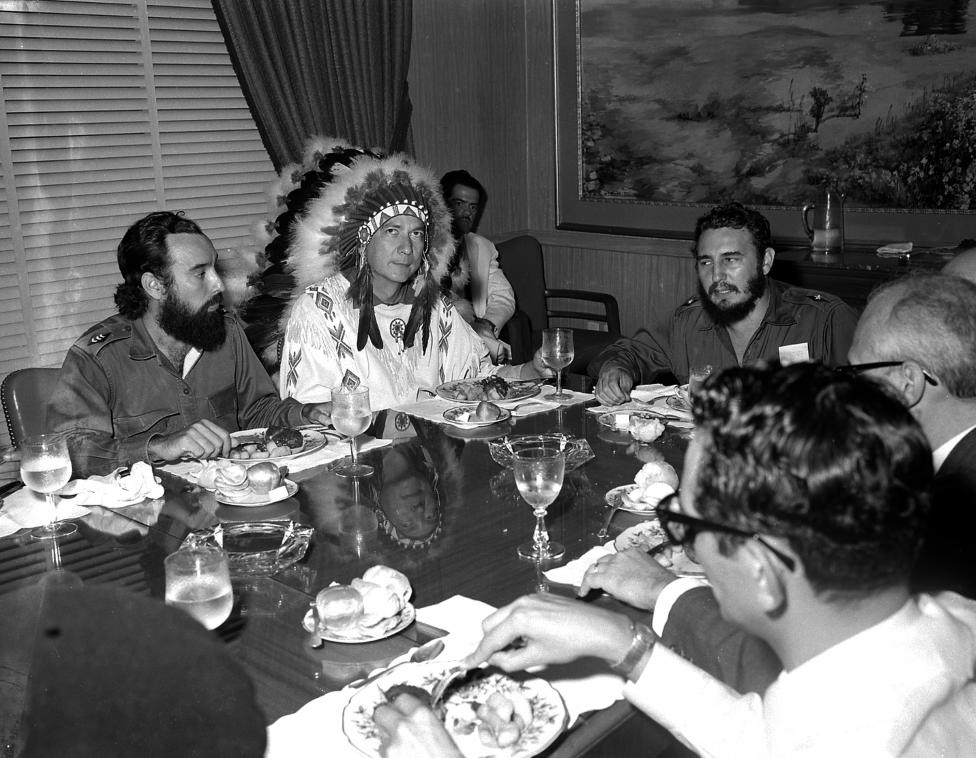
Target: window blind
{"points": [[111, 109]]}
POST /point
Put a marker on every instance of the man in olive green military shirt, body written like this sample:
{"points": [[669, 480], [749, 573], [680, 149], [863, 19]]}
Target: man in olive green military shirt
{"points": [[171, 375], [739, 316]]}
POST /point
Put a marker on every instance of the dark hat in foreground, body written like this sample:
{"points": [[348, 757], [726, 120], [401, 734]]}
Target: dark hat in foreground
{"points": [[116, 674]]}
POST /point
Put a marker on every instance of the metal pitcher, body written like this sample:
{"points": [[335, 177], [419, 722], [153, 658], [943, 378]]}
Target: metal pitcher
{"points": [[826, 233]]}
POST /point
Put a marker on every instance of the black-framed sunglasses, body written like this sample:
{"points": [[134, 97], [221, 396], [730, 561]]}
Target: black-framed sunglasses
{"points": [[859, 368], [682, 529]]}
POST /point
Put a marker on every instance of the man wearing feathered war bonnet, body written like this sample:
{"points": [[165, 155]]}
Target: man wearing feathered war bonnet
{"points": [[367, 255]]}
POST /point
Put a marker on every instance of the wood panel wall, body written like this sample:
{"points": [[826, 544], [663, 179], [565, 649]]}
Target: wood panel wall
{"points": [[481, 83]]}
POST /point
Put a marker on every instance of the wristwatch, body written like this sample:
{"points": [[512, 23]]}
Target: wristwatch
{"points": [[640, 645]]}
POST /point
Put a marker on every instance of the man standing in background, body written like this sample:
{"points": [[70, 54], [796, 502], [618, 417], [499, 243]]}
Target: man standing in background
{"points": [[482, 294]]}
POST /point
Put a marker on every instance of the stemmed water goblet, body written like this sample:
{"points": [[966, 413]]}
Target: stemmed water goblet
{"points": [[557, 352], [351, 416], [45, 467], [539, 475], [198, 582]]}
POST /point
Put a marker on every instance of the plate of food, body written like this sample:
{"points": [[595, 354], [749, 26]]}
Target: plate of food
{"points": [[488, 714], [485, 413], [369, 608], [493, 389], [357, 634], [650, 535], [249, 498], [618, 497], [273, 443], [643, 426]]}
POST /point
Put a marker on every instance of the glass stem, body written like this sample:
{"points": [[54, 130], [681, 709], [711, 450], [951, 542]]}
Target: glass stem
{"points": [[541, 535], [559, 382], [352, 449], [53, 505]]}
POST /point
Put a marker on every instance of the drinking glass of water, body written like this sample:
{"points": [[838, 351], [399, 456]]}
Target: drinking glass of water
{"points": [[539, 477], [351, 416], [45, 467], [198, 582], [557, 352]]}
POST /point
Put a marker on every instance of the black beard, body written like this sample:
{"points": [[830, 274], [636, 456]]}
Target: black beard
{"points": [[204, 330], [457, 231], [723, 315]]}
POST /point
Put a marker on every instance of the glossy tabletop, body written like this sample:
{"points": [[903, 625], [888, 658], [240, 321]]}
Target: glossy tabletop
{"points": [[449, 517]]}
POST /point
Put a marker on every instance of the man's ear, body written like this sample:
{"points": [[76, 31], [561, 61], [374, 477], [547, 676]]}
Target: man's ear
{"points": [[765, 569], [910, 383], [769, 255], [153, 286]]}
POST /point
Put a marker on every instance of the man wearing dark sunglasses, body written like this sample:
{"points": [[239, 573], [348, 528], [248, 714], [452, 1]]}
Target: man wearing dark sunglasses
{"points": [[804, 499]]}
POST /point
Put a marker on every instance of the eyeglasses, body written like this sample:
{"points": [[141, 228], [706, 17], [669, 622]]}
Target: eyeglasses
{"points": [[682, 529], [859, 368]]}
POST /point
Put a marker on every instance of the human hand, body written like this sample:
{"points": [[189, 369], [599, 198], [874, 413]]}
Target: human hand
{"points": [[613, 386], [317, 413], [502, 353], [409, 728], [631, 575], [202, 439], [540, 366], [554, 629]]}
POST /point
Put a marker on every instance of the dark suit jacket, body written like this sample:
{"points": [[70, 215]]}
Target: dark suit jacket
{"points": [[696, 630]]}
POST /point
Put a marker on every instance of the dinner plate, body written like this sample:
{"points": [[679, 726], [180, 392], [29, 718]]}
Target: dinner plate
{"points": [[357, 636], [549, 713], [248, 499], [313, 441], [463, 416], [615, 498], [518, 389]]}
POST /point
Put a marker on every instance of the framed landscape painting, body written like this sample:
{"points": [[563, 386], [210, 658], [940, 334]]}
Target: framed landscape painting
{"points": [[667, 107]]}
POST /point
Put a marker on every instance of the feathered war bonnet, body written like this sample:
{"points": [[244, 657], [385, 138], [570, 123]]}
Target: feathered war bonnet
{"points": [[334, 229]]}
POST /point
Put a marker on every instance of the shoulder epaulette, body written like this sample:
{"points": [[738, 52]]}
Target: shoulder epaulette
{"points": [[103, 334]]}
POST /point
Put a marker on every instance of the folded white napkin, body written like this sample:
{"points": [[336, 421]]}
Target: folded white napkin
{"points": [[118, 489], [24, 509], [572, 572], [651, 398], [320, 721], [333, 451], [433, 408], [640, 397], [895, 249]]}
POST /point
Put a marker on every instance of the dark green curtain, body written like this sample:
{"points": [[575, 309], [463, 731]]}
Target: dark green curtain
{"points": [[331, 67]]}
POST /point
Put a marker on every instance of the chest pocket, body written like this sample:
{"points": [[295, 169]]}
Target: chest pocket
{"points": [[153, 421], [223, 407]]}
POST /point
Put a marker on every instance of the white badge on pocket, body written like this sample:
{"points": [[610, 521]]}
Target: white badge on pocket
{"points": [[790, 354]]}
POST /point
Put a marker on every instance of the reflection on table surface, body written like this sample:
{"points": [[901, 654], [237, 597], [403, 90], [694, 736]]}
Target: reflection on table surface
{"points": [[446, 515]]}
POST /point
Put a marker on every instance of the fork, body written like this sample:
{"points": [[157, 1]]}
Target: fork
{"points": [[455, 672]]}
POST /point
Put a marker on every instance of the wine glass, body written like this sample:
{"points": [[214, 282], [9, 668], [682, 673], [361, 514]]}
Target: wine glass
{"points": [[557, 352], [351, 416], [45, 467], [539, 477], [198, 582]]}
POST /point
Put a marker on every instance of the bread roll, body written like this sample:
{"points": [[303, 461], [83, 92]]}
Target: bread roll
{"points": [[339, 607]]}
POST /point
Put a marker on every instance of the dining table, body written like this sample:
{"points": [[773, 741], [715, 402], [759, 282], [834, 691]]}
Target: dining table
{"points": [[444, 513]]}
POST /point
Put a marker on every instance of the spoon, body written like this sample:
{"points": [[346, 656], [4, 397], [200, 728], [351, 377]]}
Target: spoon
{"points": [[602, 534]]}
